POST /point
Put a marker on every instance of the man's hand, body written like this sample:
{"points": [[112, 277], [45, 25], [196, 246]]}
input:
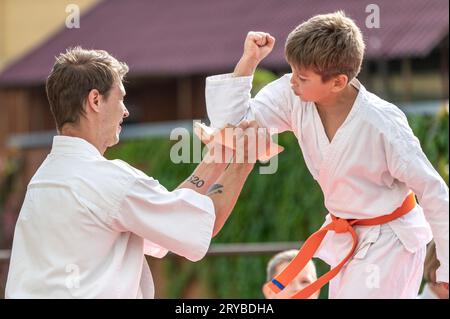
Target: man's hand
{"points": [[244, 147], [219, 156], [252, 142], [244, 143], [257, 46]]}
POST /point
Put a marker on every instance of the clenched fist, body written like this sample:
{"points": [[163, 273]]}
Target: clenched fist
{"points": [[257, 46]]}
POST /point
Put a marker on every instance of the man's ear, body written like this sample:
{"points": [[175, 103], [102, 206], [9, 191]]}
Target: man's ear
{"points": [[339, 83], [93, 100]]}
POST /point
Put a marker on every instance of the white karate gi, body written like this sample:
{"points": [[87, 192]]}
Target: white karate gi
{"points": [[86, 223], [366, 171]]}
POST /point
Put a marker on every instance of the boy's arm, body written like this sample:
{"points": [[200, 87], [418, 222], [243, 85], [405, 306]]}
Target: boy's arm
{"points": [[228, 97], [408, 163], [257, 46]]}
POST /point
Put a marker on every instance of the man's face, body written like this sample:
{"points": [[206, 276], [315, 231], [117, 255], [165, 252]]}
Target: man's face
{"points": [[114, 111], [308, 85]]}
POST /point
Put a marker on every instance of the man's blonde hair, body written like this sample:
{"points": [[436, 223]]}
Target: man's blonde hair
{"points": [[329, 44]]}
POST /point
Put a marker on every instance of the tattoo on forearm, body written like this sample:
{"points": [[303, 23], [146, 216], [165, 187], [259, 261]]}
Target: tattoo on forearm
{"points": [[215, 189], [231, 161], [196, 181]]}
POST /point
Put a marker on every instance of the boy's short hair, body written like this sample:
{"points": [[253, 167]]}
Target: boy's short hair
{"points": [[329, 44], [75, 73]]}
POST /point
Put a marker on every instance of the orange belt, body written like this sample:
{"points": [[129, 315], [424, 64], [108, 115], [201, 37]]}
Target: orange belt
{"points": [[311, 245]]}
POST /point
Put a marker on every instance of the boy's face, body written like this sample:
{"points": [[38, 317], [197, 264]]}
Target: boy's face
{"points": [[308, 85]]}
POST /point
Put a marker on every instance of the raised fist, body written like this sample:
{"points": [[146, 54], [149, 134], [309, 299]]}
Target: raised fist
{"points": [[258, 45]]}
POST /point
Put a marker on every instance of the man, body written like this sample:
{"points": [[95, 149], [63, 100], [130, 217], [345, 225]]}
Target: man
{"points": [[86, 222]]}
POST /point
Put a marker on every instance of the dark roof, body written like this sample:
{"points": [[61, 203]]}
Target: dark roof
{"points": [[176, 37]]}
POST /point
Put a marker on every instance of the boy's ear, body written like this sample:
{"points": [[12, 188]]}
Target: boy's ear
{"points": [[339, 83]]}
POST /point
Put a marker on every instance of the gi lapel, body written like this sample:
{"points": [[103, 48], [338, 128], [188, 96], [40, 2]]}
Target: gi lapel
{"points": [[333, 149]]}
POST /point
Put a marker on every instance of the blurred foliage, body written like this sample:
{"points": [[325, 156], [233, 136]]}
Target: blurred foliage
{"points": [[261, 78], [11, 166], [432, 132], [286, 206]]}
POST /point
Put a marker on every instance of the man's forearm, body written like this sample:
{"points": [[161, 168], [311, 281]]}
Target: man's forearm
{"points": [[225, 191], [207, 172]]}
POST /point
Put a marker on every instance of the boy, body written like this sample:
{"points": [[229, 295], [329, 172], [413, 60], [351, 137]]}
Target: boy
{"points": [[361, 151]]}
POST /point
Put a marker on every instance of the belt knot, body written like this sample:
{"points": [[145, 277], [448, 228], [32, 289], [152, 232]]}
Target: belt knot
{"points": [[340, 225]]}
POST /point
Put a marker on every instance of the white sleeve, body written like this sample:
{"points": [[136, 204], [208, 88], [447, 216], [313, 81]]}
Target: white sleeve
{"points": [[154, 250], [180, 221], [408, 163], [228, 100]]}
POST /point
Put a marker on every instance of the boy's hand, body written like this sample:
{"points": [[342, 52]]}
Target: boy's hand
{"points": [[257, 46]]}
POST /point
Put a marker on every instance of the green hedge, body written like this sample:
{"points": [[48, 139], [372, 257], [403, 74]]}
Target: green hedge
{"points": [[286, 206]]}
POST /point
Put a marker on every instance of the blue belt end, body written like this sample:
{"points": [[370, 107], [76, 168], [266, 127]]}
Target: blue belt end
{"points": [[278, 284]]}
